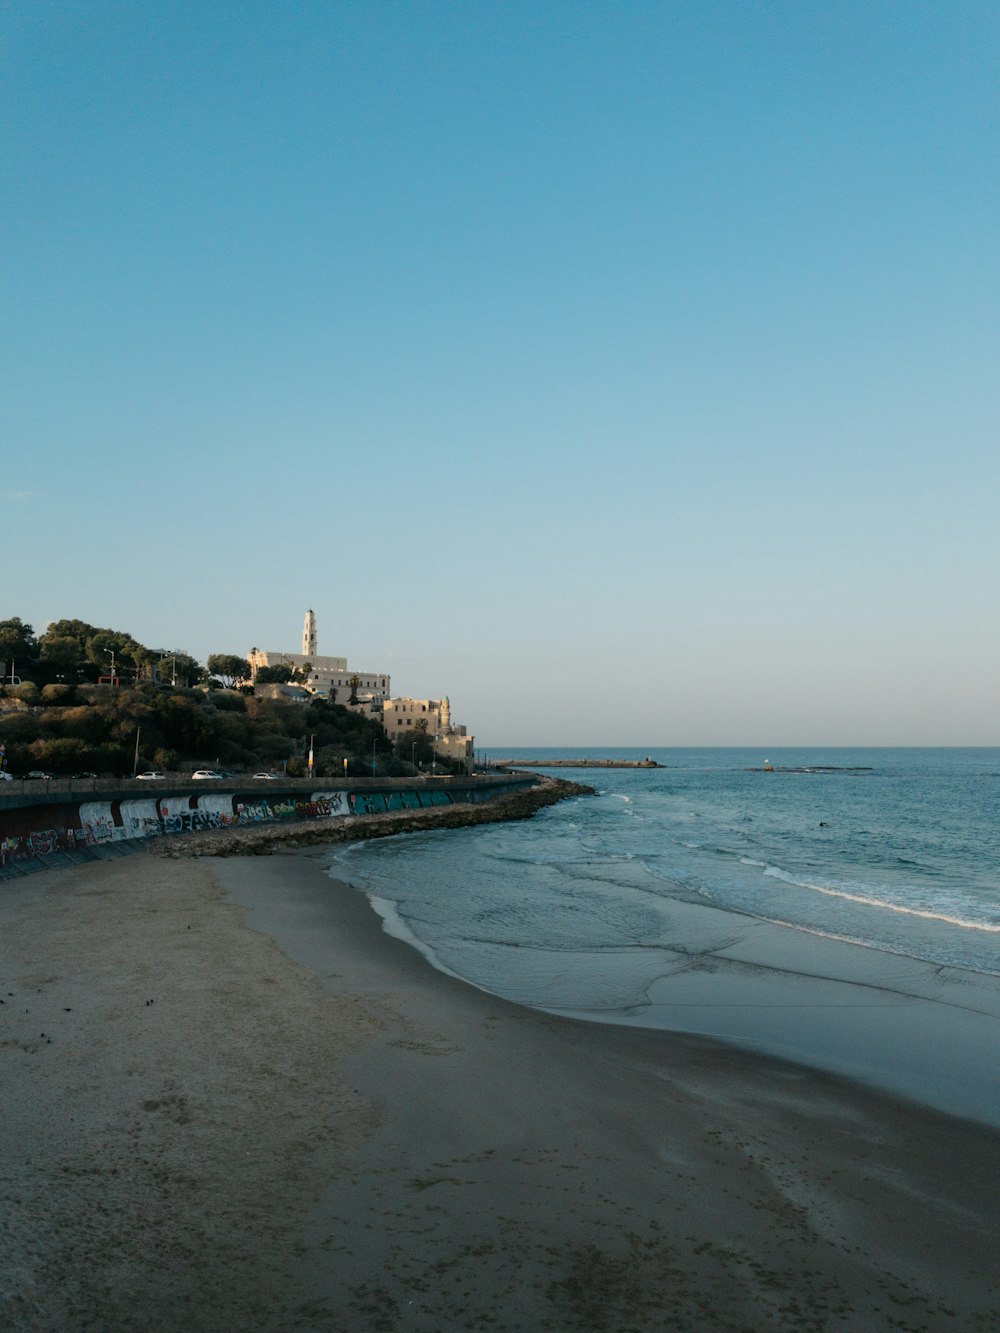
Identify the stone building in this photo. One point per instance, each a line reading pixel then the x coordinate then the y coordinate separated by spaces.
pixel 433 716
pixel 329 677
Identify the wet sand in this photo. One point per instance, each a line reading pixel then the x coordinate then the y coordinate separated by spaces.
pixel 232 1102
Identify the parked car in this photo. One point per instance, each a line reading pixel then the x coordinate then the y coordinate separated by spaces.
pixel 36 773
pixel 5 776
pixel 84 775
pixel 206 775
pixel 150 777
pixel 265 777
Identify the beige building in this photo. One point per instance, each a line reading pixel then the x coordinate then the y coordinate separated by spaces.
pixel 330 678
pixel 433 716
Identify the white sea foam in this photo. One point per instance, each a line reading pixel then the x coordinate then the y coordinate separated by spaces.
pixel 884 904
pixel 909 868
pixel 394 924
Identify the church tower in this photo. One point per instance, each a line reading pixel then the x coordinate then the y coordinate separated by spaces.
pixel 309 636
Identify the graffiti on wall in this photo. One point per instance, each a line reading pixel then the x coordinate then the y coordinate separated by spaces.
pixel 38 831
pixel 43 842
pixel 197 814
pixel 9 848
pixel 141 818
pixel 336 800
pixel 98 825
pixel 380 802
pixel 263 811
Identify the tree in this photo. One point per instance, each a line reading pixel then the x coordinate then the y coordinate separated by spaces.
pixel 62 656
pixel 72 648
pixel 18 647
pixel 110 647
pixel 273 675
pixel 175 668
pixel 189 670
pixel 228 668
pixel 415 746
pixel 17 639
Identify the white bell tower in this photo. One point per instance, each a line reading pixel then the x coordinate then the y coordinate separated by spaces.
pixel 309 636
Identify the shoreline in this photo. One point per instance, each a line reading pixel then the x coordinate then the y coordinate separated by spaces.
pixel 921 1030
pixel 254 1108
pixel 896 1024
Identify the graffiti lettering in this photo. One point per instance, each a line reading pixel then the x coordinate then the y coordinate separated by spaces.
pixel 44 842
pixel 253 814
pixel 379 802
pixel 336 802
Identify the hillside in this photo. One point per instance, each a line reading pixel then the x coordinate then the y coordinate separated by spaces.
pixel 67 729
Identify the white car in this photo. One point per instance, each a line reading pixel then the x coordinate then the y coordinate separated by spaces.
pixel 267 777
pixel 206 775
pixel 5 777
pixel 150 777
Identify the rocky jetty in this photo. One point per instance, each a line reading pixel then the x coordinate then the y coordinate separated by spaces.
pixel 263 839
pixel 577 763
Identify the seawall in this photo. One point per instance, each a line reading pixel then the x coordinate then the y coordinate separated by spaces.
pixel 517 801
pixel 35 827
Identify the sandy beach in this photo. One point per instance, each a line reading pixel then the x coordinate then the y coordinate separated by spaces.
pixel 232 1102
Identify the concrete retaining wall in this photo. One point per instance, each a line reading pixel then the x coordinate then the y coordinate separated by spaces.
pixel 64 823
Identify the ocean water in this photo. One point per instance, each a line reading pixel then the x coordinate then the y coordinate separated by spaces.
pixel 578 910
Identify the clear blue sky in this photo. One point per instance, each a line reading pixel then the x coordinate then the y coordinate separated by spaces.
pixel 629 372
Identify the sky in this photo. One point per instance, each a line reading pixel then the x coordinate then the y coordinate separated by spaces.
pixel 626 371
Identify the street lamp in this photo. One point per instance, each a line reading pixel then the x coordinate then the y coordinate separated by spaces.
pixel 112 652
pixel 374 743
pixel 413 754
pixel 311 739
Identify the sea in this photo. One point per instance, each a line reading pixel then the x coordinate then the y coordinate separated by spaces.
pixel 576 910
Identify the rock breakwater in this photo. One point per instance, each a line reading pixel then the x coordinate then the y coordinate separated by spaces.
pixel 577 763
pixel 263 840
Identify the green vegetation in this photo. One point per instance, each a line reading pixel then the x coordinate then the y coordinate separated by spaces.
pixel 94 728
pixel 61 720
pixel 73 652
pixel 229 668
pixel 283 675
